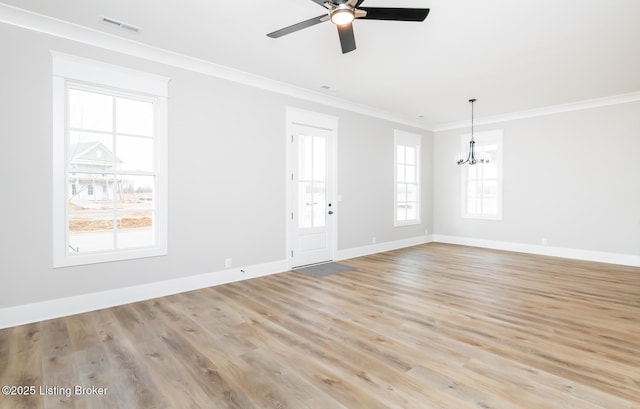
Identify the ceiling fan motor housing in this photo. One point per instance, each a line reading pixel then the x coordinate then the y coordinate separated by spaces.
pixel 342 14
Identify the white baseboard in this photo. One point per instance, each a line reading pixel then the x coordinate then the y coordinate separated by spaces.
pixel 61 307
pixel 381 247
pixel 41 311
pixel 578 254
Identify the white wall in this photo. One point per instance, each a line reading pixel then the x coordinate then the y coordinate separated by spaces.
pixel 571 177
pixel 226 176
pixel 366 186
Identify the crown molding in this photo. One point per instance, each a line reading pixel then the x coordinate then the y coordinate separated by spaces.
pixel 550 110
pixel 63 29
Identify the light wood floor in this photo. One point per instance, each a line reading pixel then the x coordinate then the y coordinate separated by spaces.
pixel 433 326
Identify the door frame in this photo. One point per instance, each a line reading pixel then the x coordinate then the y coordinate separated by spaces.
pixel 297 116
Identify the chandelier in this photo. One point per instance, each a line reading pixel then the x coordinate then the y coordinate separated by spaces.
pixel 472 158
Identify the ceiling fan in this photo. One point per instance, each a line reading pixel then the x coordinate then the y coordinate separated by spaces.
pixel 343 12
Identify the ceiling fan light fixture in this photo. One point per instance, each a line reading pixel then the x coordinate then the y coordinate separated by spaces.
pixel 343 14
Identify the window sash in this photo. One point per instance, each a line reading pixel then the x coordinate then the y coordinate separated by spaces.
pixel 75 73
pixel 482 183
pixel 110 174
pixel 407 178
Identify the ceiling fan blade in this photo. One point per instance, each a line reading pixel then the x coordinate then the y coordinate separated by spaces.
pixel 347 38
pixel 334 2
pixel 298 26
pixel 359 3
pixel 393 13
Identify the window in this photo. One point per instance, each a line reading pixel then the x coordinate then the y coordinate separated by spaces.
pixel 109 162
pixel 482 182
pixel 407 178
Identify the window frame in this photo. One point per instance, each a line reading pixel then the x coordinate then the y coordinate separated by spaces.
pixel 482 139
pixel 69 70
pixel 407 139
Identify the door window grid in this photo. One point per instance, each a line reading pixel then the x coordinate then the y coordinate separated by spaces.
pixel 311 181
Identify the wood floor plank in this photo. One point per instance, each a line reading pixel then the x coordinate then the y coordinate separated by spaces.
pixel 431 326
pixel 58 365
pixel 23 369
pixel 5 339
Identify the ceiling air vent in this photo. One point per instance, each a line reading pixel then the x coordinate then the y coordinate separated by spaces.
pixel 120 24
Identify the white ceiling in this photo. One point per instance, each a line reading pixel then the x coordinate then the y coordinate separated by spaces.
pixel 510 55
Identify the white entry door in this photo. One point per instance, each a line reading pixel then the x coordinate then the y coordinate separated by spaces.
pixel 312 208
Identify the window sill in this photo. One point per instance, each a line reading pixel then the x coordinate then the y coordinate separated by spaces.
pixel 95 258
pixel 406 223
pixel 480 217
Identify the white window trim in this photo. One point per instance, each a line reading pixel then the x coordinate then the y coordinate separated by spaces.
pixel 493 137
pixel 77 69
pixel 415 140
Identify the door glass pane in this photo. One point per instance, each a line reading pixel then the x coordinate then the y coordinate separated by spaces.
pixel 319 204
pixel 305 155
pixel 90 232
pixel 312 175
pixel 319 158
pixel 90 110
pixel 134 117
pixel 305 204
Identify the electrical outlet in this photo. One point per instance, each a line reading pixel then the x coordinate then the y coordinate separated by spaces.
pixel 227 262
pixel 544 241
pixel 374 240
